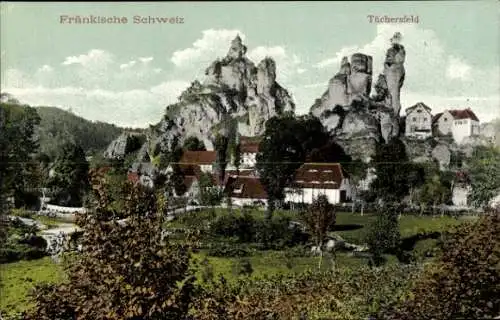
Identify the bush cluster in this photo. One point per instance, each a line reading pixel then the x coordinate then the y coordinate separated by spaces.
pixel 277 233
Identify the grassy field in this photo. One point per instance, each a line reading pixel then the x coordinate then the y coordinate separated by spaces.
pixel 353 227
pixel 269 263
pixel 19 277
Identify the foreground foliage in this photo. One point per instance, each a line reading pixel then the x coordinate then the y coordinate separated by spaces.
pixel 465 283
pixel 341 294
pixel 126 270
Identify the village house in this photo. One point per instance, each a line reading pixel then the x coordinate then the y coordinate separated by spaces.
pixel 418 121
pixel 204 159
pixel 313 179
pixel 245 190
pixel 459 123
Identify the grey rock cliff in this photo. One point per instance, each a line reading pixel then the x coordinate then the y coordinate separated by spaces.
pixel 357 119
pixel 234 91
pixel 125 143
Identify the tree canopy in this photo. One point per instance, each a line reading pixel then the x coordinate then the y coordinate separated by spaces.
pixel 484 175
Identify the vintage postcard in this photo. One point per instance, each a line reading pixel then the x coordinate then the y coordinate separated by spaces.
pixel 250 160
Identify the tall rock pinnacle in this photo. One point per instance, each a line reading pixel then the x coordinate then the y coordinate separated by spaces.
pixel 237 49
pixel 394 71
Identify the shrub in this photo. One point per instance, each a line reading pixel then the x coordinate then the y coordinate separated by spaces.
pixel 222 249
pixel 463 284
pixel 242 267
pixel 383 235
pixel 238 226
pixel 125 270
pixel 276 233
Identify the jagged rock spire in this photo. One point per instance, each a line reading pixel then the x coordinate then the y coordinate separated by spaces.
pixel 237 49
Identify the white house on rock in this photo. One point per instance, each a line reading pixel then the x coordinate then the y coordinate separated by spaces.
pixel 418 121
pixel 313 179
pixel 459 123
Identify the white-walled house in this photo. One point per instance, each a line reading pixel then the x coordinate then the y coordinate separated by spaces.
pixel 418 121
pixel 313 179
pixel 459 123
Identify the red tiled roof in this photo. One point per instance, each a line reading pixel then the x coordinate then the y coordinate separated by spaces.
pixel 319 175
pixel 250 187
pixel 198 157
pixel 463 114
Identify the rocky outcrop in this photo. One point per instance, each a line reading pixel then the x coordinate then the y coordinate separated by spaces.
pixel 234 92
pixel 123 145
pixel 357 119
pixel 394 72
pixel 353 81
pixel 442 154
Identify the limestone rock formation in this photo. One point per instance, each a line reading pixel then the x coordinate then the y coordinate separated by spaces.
pixel 394 72
pixel 442 154
pixel 353 81
pixel 234 92
pixel 357 119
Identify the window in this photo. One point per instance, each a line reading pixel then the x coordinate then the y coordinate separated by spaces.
pixel 414 119
pixel 425 119
pixel 312 170
pixel 445 119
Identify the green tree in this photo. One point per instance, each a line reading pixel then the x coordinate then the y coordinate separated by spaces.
pixel 210 195
pixel 319 219
pixel 392 168
pixel 194 144
pixel 236 155
pixel 433 191
pixel 463 283
pixel 221 149
pixel 484 175
pixel 127 270
pixel 383 235
pixel 280 154
pixel 18 146
pixel 70 179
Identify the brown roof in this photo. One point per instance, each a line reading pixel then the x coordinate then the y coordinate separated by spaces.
pixel 198 157
pixel 319 175
pixel 458 115
pixel 419 104
pixel 250 144
pixel 245 187
pixel 463 114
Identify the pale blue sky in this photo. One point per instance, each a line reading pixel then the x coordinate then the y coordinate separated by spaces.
pixel 127 74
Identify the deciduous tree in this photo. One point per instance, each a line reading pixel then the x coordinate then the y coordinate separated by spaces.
pixel 127 270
